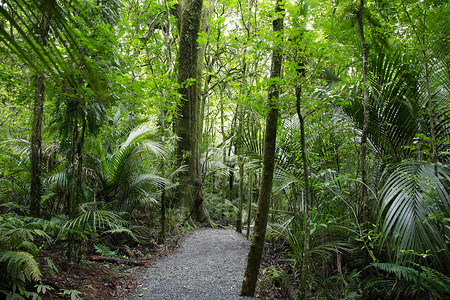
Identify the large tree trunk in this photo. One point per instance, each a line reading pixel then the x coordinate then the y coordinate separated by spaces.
pixel 188 111
pixel 36 130
pixel 365 129
pixel 257 245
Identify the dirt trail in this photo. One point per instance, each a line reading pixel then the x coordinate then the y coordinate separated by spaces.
pixel 209 264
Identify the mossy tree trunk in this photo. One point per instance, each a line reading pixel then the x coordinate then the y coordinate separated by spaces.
pixel 188 111
pixel 262 212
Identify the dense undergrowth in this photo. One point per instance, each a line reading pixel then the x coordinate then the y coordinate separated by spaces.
pixel 107 180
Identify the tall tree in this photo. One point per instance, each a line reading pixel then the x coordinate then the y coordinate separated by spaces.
pixel 365 128
pixel 36 128
pixel 188 118
pixel 265 193
pixel 301 72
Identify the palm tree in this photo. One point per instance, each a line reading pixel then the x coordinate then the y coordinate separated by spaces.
pixel 413 200
pixel 56 52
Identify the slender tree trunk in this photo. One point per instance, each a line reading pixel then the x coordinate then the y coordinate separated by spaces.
pixel 188 114
pixel 203 54
pixel 308 202
pixel 36 130
pixel 434 152
pixel 224 153
pixel 241 194
pixel 163 174
pixel 80 146
pixel 365 129
pixel 257 245
pixel 72 181
pixel 250 197
pixel 239 148
pixel 431 112
pixel 239 152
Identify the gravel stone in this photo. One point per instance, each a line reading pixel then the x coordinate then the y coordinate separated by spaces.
pixel 209 264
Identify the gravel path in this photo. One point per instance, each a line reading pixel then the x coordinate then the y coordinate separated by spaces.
pixel 209 264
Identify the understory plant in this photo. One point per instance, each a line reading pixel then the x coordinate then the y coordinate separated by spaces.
pixel 20 240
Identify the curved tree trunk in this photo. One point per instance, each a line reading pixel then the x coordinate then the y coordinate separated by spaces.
pixel 257 245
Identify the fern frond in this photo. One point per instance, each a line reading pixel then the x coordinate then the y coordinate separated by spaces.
pixel 406 273
pixel 21 265
pixel 53 268
pixel 122 230
pixel 104 250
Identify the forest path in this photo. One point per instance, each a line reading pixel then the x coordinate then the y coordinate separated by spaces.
pixel 209 264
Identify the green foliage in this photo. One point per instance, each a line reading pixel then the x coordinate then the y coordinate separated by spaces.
pixel 414 205
pixel 104 250
pixel 412 281
pixel 74 294
pixel 109 70
pixel 20 238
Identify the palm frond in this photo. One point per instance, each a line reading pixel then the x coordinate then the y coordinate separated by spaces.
pixel 412 199
pixel 140 133
pixel 394 105
pixel 51 59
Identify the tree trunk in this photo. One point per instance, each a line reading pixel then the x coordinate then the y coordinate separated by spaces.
pixel 239 152
pixel 163 186
pixel 431 112
pixel 365 129
pixel 224 152
pixel 308 202
pixel 188 110
pixel 257 245
pixel 36 130
pixel 249 202
pixel 241 193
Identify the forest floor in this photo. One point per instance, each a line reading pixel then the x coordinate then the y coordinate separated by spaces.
pixel 209 264
pixel 203 264
pixel 100 280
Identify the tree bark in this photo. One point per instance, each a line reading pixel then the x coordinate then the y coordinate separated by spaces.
pixel 365 129
pixel 249 202
pixel 36 130
pixel 308 203
pixel 257 245
pixel 188 110
pixel 163 185
pixel 301 71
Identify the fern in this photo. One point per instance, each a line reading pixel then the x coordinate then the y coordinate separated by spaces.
pixel 21 265
pixel 51 265
pixel 437 281
pixel 104 250
pixel 434 282
pixel 74 294
pixel 18 252
pixel 406 273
